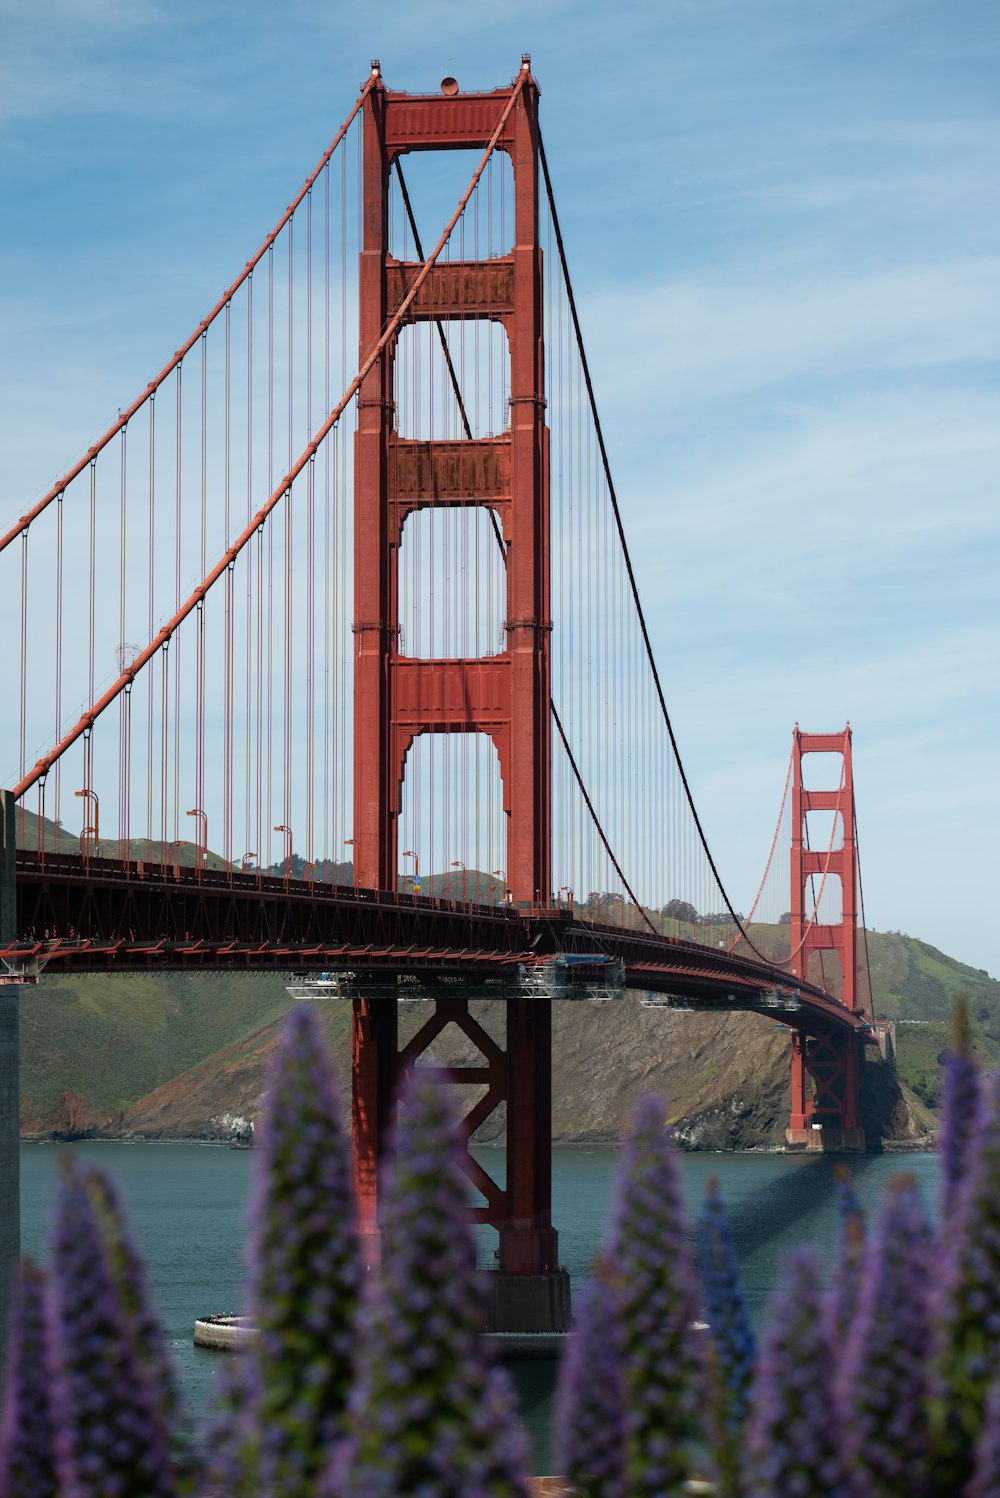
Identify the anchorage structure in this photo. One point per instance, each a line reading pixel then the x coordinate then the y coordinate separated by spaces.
pixel 830 1117
pixel 505 696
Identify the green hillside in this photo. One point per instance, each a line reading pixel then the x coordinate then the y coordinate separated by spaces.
pixel 917 985
pixel 112 1040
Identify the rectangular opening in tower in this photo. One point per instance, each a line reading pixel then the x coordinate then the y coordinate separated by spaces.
pixel 452 584
pixel 824 830
pixel 822 771
pixel 452 379
pixel 435 181
pixel 827 896
pixel 452 825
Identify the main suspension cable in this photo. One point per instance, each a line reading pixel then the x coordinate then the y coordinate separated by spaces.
pixel 612 495
pixel 597 823
pixel 864 919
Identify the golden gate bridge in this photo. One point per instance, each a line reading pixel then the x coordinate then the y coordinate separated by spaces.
pixel 332 649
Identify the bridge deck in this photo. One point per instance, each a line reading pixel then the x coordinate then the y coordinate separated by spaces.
pixel 102 915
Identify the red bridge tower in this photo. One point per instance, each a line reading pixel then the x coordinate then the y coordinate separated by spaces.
pixel 505 696
pixel 826 1114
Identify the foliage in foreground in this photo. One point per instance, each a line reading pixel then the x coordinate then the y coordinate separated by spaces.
pixel 377 1384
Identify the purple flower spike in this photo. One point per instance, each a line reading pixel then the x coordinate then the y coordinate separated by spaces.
pixel 966 1316
pixel 144 1327
pixel 733 1347
pixel 883 1378
pixel 112 1433
pixel 794 1435
pixel 960 1103
pixel 589 1432
pixel 284 1412
pixel 430 1416
pixel 986 1478
pixel 27 1464
pixel 649 1260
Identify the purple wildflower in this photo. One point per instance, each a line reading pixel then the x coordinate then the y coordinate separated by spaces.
pixel 27 1465
pixel 966 1315
pixel 794 1435
pixel 589 1434
pixel 430 1415
pixel 960 1103
pixel 111 1422
pixel 145 1329
pixel 986 1477
pixel 883 1377
pixel 286 1407
pixel 654 1282
pixel 732 1347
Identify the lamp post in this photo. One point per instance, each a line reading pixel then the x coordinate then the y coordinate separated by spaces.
pixel 246 863
pixel 415 880
pixel 457 863
pixel 281 827
pixel 94 831
pixel 565 889
pixel 501 874
pixel 200 848
pixel 177 843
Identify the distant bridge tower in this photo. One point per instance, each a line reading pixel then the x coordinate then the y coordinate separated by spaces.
pixel 505 696
pixel 825 1067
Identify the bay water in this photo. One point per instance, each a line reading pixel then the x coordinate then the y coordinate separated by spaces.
pixel 186 1203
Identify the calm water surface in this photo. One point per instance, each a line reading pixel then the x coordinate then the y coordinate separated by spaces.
pixel 186 1203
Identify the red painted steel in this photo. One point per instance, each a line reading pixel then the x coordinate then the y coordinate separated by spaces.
pixel 831 1062
pixel 77 914
pixel 507 696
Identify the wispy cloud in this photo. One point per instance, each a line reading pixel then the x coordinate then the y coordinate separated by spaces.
pixel 692 337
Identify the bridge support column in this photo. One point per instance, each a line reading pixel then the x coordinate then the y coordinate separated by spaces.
pixel 825 1067
pixel 529 1292
pixel 374 1037
pixel 505 696
pixel 10 1075
pixel 528 1241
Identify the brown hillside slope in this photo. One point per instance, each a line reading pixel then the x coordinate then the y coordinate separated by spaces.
pixel 725 1076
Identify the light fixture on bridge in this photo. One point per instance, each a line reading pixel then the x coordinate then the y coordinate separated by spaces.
pixel 201 848
pixel 95 831
pixel 415 876
pixel 281 827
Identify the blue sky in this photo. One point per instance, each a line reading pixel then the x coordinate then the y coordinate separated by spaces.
pixel 783 221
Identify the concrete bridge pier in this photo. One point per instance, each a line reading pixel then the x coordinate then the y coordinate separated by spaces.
pixel 10 1075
